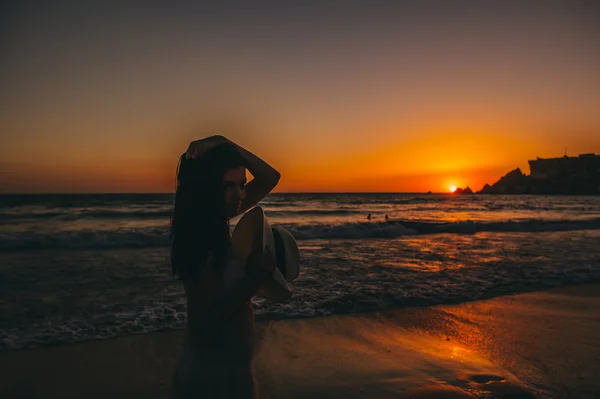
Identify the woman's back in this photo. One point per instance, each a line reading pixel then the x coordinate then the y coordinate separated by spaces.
pixel 209 329
pixel 218 347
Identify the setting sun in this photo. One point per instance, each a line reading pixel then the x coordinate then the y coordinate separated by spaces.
pixel 452 189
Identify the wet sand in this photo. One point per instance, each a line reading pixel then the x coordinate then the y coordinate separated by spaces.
pixel 541 344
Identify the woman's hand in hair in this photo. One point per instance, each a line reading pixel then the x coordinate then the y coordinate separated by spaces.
pixel 261 264
pixel 199 147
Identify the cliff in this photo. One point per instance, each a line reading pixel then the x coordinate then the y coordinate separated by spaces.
pixel 567 175
pixel 514 182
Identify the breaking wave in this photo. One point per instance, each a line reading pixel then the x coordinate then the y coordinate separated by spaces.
pixel 146 237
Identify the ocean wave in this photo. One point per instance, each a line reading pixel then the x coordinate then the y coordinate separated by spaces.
pixel 391 200
pixel 86 214
pixel 316 212
pixel 148 237
pixel 86 239
pixel 81 200
pixel 337 277
pixel 314 296
pixel 12 217
pixel 395 229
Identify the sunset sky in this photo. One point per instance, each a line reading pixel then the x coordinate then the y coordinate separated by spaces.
pixel 352 96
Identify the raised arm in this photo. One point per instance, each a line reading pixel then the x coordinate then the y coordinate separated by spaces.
pixel 265 179
pixel 265 176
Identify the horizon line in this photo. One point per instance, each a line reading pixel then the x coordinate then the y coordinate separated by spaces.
pixel 276 193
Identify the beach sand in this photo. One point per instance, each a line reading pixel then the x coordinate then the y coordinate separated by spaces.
pixel 540 344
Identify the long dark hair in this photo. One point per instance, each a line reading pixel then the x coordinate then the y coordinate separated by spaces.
pixel 199 222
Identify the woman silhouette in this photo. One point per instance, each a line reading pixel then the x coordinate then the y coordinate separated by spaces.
pixel 216 360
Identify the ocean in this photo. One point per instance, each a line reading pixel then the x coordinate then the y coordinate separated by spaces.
pixel 85 267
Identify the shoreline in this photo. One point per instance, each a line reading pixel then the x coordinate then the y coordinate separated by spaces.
pixel 261 318
pixel 544 342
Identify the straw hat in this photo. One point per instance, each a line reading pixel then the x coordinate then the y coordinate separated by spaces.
pixel 253 232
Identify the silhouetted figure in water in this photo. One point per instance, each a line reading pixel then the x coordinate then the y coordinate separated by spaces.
pixel 386 217
pixel 211 189
pixel 369 217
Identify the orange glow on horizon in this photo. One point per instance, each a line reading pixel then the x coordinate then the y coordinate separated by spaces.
pixel 418 162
